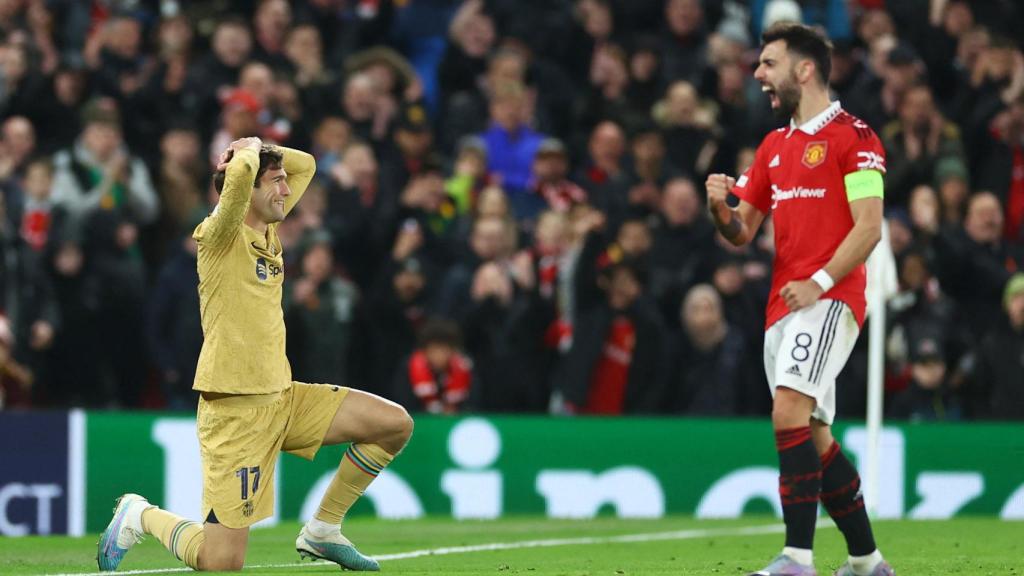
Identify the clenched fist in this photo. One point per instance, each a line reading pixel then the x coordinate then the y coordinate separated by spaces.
pixel 719 186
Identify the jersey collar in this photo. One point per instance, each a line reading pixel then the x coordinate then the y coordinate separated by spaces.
pixel 815 124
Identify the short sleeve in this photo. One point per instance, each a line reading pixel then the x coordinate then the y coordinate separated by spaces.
pixel 865 151
pixel 753 186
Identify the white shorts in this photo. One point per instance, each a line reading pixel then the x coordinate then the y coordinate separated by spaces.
pixel 806 350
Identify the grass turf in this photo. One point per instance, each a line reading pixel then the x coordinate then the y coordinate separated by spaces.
pixel 969 546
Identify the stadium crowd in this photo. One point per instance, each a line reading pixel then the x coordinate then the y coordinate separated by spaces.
pixel 508 211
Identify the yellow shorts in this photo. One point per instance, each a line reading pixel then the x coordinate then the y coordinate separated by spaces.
pixel 241 436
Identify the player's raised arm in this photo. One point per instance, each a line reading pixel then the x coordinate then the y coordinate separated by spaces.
pixel 240 164
pixel 299 167
pixel 738 225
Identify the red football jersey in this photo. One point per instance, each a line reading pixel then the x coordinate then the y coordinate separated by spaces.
pixel 798 178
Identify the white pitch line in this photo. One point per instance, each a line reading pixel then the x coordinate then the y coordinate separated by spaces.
pixel 581 541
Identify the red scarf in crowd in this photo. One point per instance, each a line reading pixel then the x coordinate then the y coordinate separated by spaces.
pixel 611 373
pixel 1015 198
pixel 443 393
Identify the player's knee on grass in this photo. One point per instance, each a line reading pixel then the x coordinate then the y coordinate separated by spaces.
pixel 212 559
pixel 791 409
pixel 224 548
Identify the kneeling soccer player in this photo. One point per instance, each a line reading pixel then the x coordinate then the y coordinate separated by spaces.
pixel 249 408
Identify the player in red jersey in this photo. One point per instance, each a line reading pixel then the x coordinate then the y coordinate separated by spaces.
pixel 820 178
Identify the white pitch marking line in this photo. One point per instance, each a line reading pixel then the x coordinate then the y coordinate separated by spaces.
pixel 581 541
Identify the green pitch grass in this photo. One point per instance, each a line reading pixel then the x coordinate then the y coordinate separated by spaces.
pixel 539 547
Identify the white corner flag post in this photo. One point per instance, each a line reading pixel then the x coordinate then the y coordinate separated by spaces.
pixel 881 284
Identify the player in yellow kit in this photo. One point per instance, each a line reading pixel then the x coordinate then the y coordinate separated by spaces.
pixel 249 408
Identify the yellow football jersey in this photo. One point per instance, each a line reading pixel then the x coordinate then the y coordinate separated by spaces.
pixel 240 276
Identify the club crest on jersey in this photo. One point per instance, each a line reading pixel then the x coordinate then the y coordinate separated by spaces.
pixel 261 268
pixel 814 153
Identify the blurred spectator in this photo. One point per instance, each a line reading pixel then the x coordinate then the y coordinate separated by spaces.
pixel 504 338
pixel 489 242
pixel 120 69
pixel 320 315
pixel 916 143
pixel 951 178
pixel 684 43
pixel 709 369
pixel 22 87
pixel 469 173
pixel 617 362
pixel 471 36
pixel 649 170
pixel 832 15
pixel 603 176
pixel 394 82
pixel 742 304
pixel 311 74
pixel 644 72
pixel 605 96
pixel 998 375
pixel 330 138
pixel 231 46
pixel 396 307
pixel 925 215
pixel 688 126
pixel 1002 167
pixel 683 247
pixel 271 22
pixel 413 148
pixel 437 378
pixel 182 180
pixel 37 212
pixel 920 307
pixel 355 208
pixel 928 396
pixel 632 242
pixel 975 263
pixel 62 122
pixel 593 26
pixel 240 116
pixel 17 144
pixel 549 185
pixel 511 142
pixel 173 329
pixel 895 68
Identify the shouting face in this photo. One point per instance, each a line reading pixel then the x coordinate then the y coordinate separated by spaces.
pixel 777 74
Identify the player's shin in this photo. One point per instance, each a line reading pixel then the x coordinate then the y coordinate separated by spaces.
pixel 799 487
pixel 841 496
pixel 181 537
pixel 359 467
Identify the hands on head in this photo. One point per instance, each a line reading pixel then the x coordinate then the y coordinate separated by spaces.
pixel 252 142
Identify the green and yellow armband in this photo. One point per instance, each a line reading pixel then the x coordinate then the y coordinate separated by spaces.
pixel 864 184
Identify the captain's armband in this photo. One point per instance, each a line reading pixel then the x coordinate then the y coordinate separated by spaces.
pixel 864 184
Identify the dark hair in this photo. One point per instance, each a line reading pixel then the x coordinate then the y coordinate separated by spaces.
pixel 270 158
pixel 232 20
pixel 805 41
pixel 636 267
pixel 440 331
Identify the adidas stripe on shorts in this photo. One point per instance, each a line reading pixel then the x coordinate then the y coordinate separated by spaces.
pixel 806 350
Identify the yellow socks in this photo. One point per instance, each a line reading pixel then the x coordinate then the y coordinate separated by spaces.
pixel 360 465
pixel 182 537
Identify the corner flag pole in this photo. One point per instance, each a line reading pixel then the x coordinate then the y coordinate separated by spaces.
pixel 881 269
